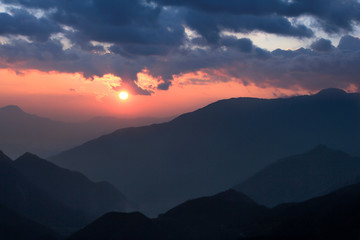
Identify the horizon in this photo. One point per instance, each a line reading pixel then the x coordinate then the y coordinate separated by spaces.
pixel 81 118
pixel 70 61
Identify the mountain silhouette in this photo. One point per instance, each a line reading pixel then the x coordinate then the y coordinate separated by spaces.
pixel 20 195
pixel 4 159
pixel 57 198
pixel 303 176
pixel 125 226
pixel 334 216
pixel 233 216
pixel 216 217
pixel 221 216
pixel 23 132
pixel 216 147
pixel 71 188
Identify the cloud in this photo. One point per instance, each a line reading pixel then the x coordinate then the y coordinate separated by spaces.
pixel 210 26
pixel 125 37
pixel 20 22
pixel 243 44
pixel 332 15
pixel 322 45
pixel 349 43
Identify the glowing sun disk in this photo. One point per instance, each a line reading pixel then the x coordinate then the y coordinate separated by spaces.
pixel 123 95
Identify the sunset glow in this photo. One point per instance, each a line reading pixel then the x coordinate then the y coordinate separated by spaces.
pixel 81 69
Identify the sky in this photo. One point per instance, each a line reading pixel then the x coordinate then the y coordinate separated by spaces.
pixel 69 59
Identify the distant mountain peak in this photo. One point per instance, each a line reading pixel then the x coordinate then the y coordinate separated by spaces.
pixel 29 155
pixel 4 159
pixel 12 109
pixel 331 92
pixel 322 148
pixel 233 195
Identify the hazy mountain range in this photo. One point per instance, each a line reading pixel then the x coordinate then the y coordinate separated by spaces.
pixel 216 147
pixel 23 132
pixel 168 168
pixel 303 176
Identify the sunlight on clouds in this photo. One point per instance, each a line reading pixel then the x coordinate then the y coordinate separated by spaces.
pixel 65 42
pixel 191 34
pixel 110 80
pixel 269 41
pixel 147 82
pixel 2 8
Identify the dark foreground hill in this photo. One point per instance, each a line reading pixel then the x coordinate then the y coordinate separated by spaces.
pixel 124 226
pixel 233 216
pixel 16 227
pixel 333 216
pixel 216 147
pixel 57 198
pixel 303 176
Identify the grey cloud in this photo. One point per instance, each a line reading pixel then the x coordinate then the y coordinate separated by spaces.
pixel 332 15
pixel 243 44
pixel 143 36
pixel 349 43
pixel 302 67
pixel 210 26
pixel 164 85
pixel 20 22
pixel 322 45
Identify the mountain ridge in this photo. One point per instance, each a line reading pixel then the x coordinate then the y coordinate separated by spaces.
pixel 302 176
pixel 215 147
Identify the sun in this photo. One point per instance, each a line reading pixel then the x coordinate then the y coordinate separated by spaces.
pixel 123 95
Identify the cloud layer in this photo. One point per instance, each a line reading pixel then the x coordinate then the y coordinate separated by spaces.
pixel 171 37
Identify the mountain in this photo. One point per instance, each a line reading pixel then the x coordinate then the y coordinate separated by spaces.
pixel 216 147
pixel 221 216
pixel 16 227
pixel 233 216
pixel 22 132
pixel 334 216
pixel 124 226
pixel 20 195
pixel 216 217
pixel 71 188
pixel 303 176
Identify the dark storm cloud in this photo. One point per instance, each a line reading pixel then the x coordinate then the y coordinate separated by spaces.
pixel 210 26
pixel 322 45
pixel 333 15
pixel 349 43
pixel 243 44
pixel 135 35
pixel 20 22
pixel 280 68
pixel 113 21
pixel 164 86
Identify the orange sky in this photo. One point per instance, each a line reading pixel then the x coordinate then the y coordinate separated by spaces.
pixel 70 97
